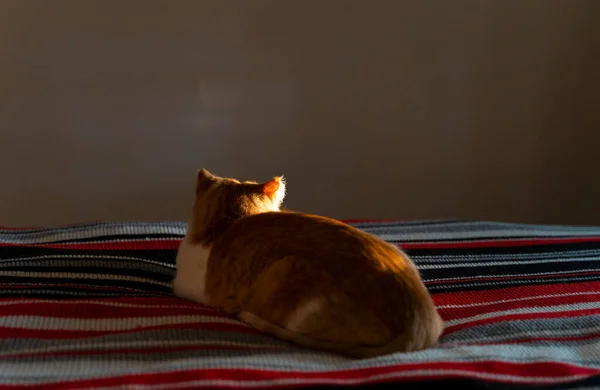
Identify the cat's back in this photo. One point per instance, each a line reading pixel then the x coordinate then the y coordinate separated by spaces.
pixel 301 257
pixel 292 220
pixel 315 238
pixel 293 227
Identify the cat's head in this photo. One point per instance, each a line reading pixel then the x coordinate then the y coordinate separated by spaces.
pixel 220 201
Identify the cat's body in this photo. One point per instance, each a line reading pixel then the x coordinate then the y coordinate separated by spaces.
pixel 309 280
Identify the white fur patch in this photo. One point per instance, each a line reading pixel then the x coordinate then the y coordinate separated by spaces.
pixel 303 314
pixel 190 277
pixel 279 194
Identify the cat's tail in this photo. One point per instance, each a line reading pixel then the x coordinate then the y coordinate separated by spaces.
pixel 422 334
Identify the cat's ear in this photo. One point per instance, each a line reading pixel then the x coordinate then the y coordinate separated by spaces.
pixel 274 189
pixel 204 179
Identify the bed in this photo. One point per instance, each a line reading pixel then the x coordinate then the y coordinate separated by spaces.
pixel 89 306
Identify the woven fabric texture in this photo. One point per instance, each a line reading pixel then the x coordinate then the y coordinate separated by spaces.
pixel 90 306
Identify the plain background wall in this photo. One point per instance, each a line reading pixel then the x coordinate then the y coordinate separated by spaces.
pixel 484 109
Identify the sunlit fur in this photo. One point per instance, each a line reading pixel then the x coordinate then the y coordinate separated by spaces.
pixel 310 280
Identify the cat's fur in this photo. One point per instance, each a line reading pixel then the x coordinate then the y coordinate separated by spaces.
pixel 306 279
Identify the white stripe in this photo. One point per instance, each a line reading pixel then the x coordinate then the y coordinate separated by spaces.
pixel 447 225
pixel 131 226
pixel 71 275
pixel 509 256
pixel 527 310
pixel 517 300
pixel 136 344
pixel 497 263
pixel 587 355
pixel 527 335
pixel 512 275
pixel 449 237
pixel 81 233
pixel 107 324
pixel 86 257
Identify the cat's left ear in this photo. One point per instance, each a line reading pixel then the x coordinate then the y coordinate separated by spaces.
pixel 274 189
pixel 204 179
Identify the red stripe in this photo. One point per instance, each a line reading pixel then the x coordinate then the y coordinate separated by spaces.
pixel 174 244
pixel 90 310
pixel 522 316
pixel 8 333
pixel 135 300
pixel 559 371
pixel 490 295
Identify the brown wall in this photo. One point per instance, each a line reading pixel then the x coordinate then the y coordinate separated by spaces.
pixel 372 109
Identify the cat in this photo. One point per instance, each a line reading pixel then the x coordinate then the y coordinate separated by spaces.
pixel 309 280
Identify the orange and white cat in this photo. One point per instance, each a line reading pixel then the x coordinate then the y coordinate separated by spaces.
pixel 306 279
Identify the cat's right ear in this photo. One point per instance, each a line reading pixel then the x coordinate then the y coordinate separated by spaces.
pixel 204 179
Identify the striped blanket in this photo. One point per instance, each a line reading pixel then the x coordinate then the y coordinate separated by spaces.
pixel 89 306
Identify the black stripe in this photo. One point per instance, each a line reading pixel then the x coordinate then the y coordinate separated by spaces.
pixel 67 291
pixel 61 294
pixel 166 256
pixel 449 222
pixel 125 284
pixel 491 238
pixel 458 271
pixel 504 250
pixel 473 238
pixel 100 264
